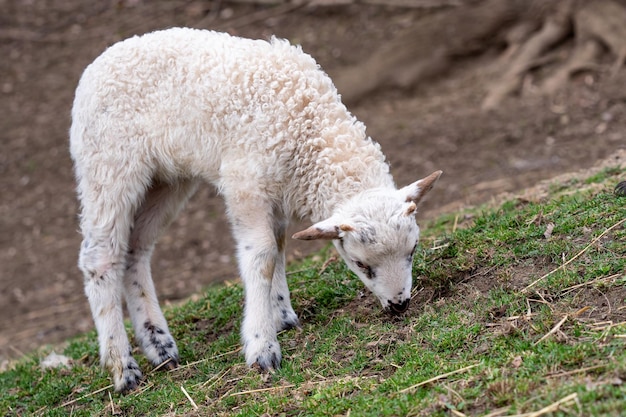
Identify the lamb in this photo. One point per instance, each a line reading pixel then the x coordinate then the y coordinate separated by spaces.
pixel 154 116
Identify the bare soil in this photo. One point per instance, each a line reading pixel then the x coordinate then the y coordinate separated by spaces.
pixel 44 46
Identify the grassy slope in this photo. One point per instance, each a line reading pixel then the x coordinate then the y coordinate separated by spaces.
pixel 509 349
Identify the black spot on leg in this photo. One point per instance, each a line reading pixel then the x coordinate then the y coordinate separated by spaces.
pixel 132 376
pixel 280 297
pixel 256 335
pixel 154 334
pixel 152 329
pixel 248 247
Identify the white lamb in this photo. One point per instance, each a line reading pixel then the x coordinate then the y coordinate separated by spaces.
pixel 156 115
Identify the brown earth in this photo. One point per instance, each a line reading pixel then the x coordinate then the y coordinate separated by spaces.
pixel 44 46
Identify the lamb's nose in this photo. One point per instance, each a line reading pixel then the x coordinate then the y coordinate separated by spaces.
pixel 399 308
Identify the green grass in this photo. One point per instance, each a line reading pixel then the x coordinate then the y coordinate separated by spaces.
pixel 477 339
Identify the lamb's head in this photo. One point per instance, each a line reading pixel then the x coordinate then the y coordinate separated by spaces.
pixel 376 234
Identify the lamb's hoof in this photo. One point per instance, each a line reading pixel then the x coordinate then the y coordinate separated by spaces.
pixel 266 357
pixel 267 364
pixel 291 324
pixel 130 378
pixel 158 346
pixel 287 319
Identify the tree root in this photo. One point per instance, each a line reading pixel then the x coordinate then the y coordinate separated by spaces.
pixel 604 21
pixel 582 58
pixel 429 48
pixel 531 31
pixel 554 30
pixel 596 24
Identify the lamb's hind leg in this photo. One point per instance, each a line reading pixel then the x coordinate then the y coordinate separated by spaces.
pixel 162 203
pixel 105 223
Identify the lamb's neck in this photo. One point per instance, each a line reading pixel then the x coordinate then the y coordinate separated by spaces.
pixel 335 160
pixel 331 185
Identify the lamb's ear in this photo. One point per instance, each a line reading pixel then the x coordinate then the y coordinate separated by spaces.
pixel 416 191
pixel 327 229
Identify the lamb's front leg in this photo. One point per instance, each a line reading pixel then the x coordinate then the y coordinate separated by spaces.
pixel 284 316
pixel 257 261
pixel 257 227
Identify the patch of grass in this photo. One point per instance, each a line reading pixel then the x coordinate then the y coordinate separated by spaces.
pixel 519 308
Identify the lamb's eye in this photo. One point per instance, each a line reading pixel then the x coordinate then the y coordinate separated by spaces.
pixel 410 256
pixel 368 270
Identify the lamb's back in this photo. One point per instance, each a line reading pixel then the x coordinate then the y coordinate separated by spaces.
pixel 181 93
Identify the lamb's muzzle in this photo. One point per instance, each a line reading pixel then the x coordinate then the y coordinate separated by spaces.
pixel 400 308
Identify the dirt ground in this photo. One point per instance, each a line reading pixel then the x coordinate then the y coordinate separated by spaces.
pixel 45 45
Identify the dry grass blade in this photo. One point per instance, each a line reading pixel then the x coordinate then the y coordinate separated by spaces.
pixel 532 284
pixel 438 377
pixel 162 365
pixel 214 379
pixel 548 409
pixel 575 371
pixel 193 403
pixel 190 364
pixel 253 391
pixel 552 407
pixel 456 223
pixel 603 326
pixel 553 330
pixel 65 404
pixel 595 281
pixel 112 405
pixel 143 389
pixel 498 412
pixel 455 412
